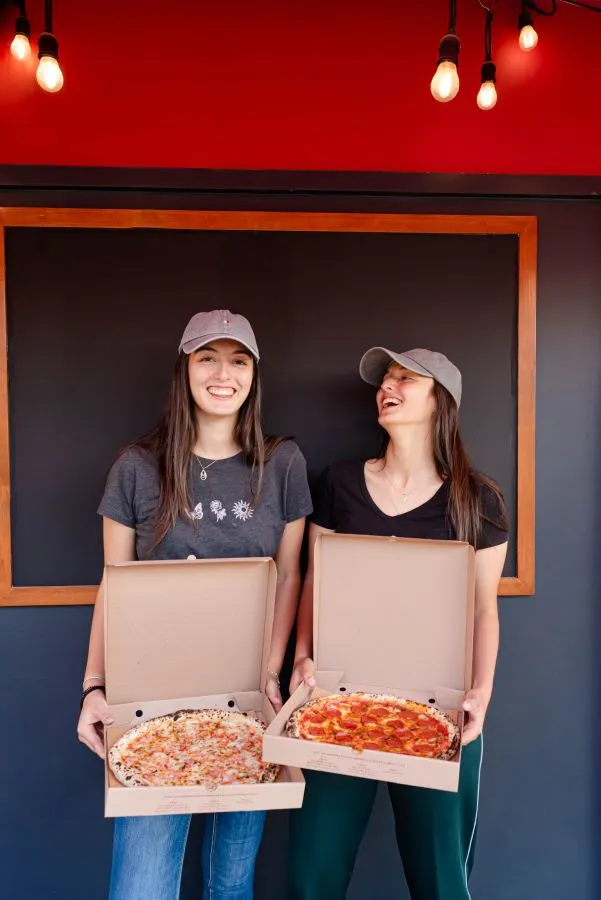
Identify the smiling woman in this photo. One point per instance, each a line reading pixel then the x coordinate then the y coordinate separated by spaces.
pixel 205 482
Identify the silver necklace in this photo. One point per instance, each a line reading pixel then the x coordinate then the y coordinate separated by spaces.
pixel 404 494
pixel 203 469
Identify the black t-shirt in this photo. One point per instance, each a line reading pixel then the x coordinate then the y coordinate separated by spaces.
pixel 342 503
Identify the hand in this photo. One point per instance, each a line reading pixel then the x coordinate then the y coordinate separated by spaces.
pixel 94 715
pixel 304 670
pixel 475 705
pixel 272 690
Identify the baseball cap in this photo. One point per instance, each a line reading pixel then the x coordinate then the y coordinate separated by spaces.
pixel 217 325
pixel 375 362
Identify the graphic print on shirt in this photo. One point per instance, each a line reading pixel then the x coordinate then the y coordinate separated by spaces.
pixel 217 507
pixel 243 510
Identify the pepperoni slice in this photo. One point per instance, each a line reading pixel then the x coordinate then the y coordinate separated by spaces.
pixel 344 736
pixel 399 724
pixel 380 711
pixel 349 725
pixel 395 741
pixel 314 717
pixel 313 731
pixel 424 750
pixel 370 720
pixel 371 745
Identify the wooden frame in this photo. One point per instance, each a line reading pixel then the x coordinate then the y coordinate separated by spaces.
pixel 524 227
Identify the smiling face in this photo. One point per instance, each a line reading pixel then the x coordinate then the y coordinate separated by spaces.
pixel 405 398
pixel 220 376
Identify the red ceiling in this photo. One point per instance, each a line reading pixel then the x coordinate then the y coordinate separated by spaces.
pixel 322 84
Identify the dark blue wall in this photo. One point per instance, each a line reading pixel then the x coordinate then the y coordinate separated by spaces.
pixel 539 829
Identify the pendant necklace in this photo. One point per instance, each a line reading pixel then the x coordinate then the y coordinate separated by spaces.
pixel 203 469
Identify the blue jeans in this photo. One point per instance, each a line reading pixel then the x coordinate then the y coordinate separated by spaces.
pixel 148 855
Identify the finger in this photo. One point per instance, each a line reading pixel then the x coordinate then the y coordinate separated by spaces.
pixel 470 734
pixel 92 742
pixel 310 680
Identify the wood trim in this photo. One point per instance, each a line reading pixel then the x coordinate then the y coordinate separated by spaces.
pixel 525 227
pixel 210 220
pixel 526 403
pixel 63 595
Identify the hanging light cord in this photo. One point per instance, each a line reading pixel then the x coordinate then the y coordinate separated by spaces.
pixel 582 5
pixel 488 37
pixel 452 16
pixel 579 4
pixel 48 16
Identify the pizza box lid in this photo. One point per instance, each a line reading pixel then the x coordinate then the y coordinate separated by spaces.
pixel 394 611
pixel 185 628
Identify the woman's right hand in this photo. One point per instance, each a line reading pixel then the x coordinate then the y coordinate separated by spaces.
pixel 94 716
pixel 304 670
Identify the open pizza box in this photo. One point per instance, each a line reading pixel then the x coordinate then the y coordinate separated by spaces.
pixel 190 634
pixel 391 616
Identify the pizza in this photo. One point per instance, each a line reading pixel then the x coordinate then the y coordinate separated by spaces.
pixel 376 722
pixel 192 747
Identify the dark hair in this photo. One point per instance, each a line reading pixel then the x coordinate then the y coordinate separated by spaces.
pixel 171 443
pixel 466 509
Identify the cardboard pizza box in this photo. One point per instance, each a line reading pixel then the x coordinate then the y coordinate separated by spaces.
pixel 392 616
pixel 189 634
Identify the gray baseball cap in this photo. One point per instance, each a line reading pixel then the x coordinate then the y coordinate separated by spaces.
pixel 374 363
pixel 217 325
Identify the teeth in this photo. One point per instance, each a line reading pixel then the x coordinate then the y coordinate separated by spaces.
pixel 221 392
pixel 390 401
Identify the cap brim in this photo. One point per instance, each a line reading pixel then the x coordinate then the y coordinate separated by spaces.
pixel 190 346
pixel 375 362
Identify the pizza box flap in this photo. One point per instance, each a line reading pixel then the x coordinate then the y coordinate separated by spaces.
pixel 183 628
pixel 394 610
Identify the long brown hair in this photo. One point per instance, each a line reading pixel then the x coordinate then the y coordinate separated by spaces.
pixel 465 510
pixel 171 443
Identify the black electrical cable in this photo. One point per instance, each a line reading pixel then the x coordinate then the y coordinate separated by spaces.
pixel 580 5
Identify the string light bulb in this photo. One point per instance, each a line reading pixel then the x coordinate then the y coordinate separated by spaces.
pixel 48 74
pixel 487 95
pixel 444 86
pixel 20 47
pixel 528 34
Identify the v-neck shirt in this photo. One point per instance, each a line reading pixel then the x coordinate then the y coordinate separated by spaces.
pixel 342 503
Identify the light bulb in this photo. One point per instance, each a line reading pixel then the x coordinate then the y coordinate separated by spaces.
pixel 445 84
pixel 528 38
pixel 20 47
pixel 49 75
pixel 487 95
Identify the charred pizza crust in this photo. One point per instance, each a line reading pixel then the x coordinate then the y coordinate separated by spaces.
pixel 225 748
pixel 296 725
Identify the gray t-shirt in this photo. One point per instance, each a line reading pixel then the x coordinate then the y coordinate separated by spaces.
pixel 223 524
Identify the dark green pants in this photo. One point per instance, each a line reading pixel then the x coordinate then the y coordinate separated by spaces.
pixel 435 832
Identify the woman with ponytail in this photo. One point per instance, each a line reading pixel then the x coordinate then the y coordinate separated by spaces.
pixel 422 485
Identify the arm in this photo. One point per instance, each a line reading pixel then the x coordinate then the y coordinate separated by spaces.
pixel 489 566
pixel 119 546
pixel 286 600
pixel 303 661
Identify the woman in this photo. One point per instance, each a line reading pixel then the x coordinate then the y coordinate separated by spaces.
pixel 421 486
pixel 204 483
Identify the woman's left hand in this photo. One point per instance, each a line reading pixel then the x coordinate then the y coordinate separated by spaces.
pixel 274 695
pixel 475 705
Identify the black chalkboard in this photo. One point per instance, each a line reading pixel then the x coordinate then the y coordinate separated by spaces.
pixel 95 317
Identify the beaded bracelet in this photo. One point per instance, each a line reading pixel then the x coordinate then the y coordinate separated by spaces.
pixel 94 687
